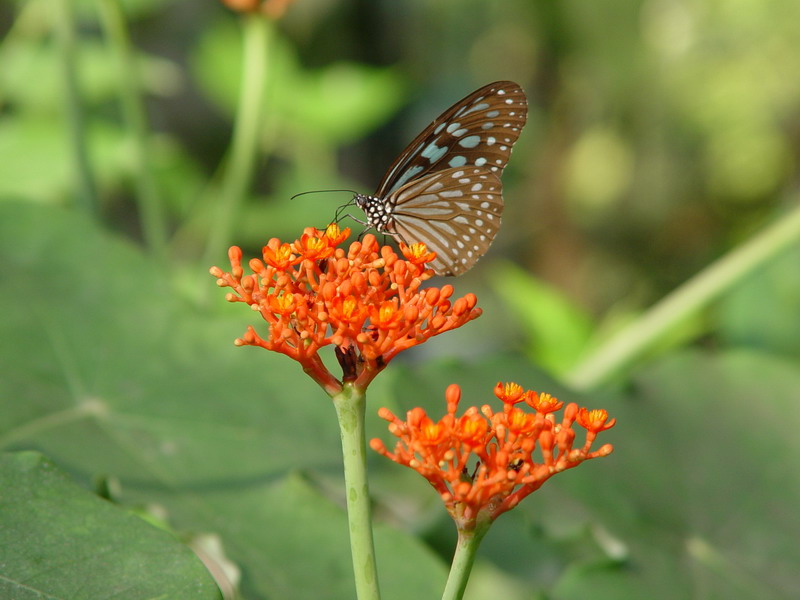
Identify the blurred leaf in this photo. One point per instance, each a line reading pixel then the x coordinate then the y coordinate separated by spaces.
pixel 35 160
pixel 556 331
pixel 110 374
pixel 31 77
pixel 333 105
pixel 58 540
pixel 762 313
pixel 133 9
pixel 692 497
pixel 600 170
pixel 736 91
pixel 343 102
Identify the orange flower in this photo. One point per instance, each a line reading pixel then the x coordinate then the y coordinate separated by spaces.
pixel 483 466
pixel 279 255
pixel 417 253
pixel 509 393
pixel 283 305
pixel 364 300
pixel 314 246
pixel 594 420
pixel 542 403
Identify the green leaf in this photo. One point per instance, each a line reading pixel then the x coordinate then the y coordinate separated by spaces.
pixel 556 330
pixel 699 492
pixel 60 541
pixel 32 80
pixel 112 373
pixel 762 313
pixel 333 105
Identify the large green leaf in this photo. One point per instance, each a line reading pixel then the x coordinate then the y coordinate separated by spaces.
pixel 762 312
pixel 59 541
pixel 108 370
pixel 698 499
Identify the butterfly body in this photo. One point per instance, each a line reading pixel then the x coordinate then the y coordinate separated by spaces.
pixel 378 213
pixel 444 189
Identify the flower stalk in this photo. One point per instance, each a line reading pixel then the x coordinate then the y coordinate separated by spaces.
pixel 463 559
pixel 350 404
pixel 64 26
pixel 150 205
pixel 241 159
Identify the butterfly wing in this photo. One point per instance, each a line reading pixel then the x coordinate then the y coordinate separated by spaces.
pixel 455 212
pixel 478 130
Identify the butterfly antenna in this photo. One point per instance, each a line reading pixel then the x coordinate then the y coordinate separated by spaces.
pixel 320 192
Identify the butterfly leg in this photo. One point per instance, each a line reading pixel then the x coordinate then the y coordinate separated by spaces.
pixel 337 217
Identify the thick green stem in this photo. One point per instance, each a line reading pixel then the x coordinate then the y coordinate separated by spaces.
pixel 688 299
pixel 148 198
pixel 241 159
pixel 463 559
pixel 64 26
pixel 350 406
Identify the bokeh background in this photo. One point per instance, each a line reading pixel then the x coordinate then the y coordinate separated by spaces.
pixel 662 135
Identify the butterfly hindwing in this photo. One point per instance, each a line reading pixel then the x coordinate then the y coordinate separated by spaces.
pixel 455 212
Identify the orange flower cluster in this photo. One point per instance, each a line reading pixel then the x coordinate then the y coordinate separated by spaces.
pixel 366 301
pixel 510 453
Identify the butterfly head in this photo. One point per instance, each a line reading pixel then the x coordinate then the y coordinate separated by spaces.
pixel 377 211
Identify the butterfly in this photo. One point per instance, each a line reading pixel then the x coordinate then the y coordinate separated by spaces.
pixel 444 189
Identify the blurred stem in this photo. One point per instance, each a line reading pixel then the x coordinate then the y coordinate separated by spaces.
pixel 243 151
pixel 64 26
pixel 148 199
pixel 691 297
pixel 350 406
pixel 463 559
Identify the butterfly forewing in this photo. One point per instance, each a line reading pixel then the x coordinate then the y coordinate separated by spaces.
pixel 455 212
pixel 444 189
pixel 479 130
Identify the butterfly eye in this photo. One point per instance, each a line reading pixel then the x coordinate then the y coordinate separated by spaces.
pixel 444 189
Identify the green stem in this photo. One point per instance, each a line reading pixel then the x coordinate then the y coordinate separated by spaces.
pixel 247 127
pixel 350 406
pixel 147 196
pixel 64 25
pixel 688 299
pixel 463 559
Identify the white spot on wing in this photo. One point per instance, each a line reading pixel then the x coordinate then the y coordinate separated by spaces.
pixel 470 141
pixel 458 161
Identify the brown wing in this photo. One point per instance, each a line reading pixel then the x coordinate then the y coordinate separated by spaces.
pixel 478 130
pixel 455 212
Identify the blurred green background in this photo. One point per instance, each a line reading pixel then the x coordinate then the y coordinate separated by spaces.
pixel 662 135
